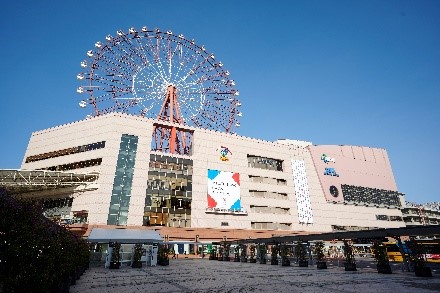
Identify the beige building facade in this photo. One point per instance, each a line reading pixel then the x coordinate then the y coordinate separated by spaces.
pixel 225 181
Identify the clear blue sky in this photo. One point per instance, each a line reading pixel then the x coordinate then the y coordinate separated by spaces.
pixel 330 72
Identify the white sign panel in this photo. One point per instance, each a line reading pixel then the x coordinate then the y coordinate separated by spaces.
pixel 303 204
pixel 224 190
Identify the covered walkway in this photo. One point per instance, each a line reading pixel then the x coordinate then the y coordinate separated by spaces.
pixel 432 231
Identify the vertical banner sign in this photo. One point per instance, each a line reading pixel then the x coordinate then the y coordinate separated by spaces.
pixel 224 190
pixel 303 204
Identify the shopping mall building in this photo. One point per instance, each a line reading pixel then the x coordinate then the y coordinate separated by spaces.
pixel 225 183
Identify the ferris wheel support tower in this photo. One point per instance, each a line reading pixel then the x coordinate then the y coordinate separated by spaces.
pixel 170 112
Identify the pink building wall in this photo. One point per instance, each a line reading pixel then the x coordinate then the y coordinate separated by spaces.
pixel 354 165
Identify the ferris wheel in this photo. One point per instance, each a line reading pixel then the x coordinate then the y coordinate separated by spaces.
pixel 162 76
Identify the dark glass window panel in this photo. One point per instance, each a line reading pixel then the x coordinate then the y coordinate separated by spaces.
pixel 167 180
pixel 122 182
pixel 265 163
pixel 371 196
pixel 64 152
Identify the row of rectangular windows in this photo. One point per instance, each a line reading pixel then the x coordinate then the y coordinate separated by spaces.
pixel 366 195
pixel 427 222
pixel 268 194
pixel 388 218
pixel 56 203
pixel 336 228
pixel 65 152
pixel 269 210
pixel 267 180
pixel 265 163
pixel 75 165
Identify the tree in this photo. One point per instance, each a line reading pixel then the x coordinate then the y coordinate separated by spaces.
pixel 301 254
pixel 417 257
pixel 350 262
pixel 381 257
pixel 36 254
pixel 137 255
pixel 319 255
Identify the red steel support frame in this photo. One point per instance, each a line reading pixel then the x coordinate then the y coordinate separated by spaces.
pixel 170 112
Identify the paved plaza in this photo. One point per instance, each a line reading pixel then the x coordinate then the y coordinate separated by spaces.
pixel 197 275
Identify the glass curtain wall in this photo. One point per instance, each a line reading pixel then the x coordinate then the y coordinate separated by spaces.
pixel 169 192
pixel 120 200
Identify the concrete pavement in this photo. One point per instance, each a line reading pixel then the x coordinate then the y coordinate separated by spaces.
pixel 203 275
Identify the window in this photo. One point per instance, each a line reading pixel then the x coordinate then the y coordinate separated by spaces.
pixel 382 217
pixel 169 192
pixel 269 210
pixel 371 196
pixel 268 194
pixel 265 163
pixel 64 152
pixel 75 165
pixel 267 180
pixel 121 194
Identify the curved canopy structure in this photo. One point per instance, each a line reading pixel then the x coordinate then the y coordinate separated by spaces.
pixel 28 181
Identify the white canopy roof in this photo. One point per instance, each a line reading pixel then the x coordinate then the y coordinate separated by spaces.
pixel 25 181
pixel 124 236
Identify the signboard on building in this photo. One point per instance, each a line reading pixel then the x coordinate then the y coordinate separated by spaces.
pixel 304 207
pixel 224 190
pixel 224 153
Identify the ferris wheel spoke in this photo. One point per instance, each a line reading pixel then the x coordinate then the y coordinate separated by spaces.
pixel 178 73
pixel 195 69
pixel 192 63
pixel 107 81
pixel 144 52
pixel 187 87
pixel 104 97
pixel 117 106
pixel 206 77
pixel 128 50
pixel 118 55
pixel 166 54
pixel 158 39
pixel 189 60
pixel 191 107
pixel 135 49
pixel 116 68
pixel 121 61
pixel 170 56
pixel 181 72
pixel 152 47
pixel 154 71
pixel 125 62
pixel 161 72
pixel 157 63
pixel 153 102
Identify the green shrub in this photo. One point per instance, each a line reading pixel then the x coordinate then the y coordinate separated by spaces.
pixel 35 253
